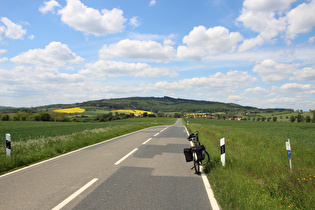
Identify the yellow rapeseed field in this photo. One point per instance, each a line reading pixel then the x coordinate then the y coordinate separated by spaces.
pixel 132 111
pixel 70 110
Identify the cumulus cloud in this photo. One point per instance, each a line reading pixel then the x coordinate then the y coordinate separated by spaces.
pixel 306 74
pixel 255 91
pixel 102 69
pixel 201 42
pixel 49 6
pixel 263 22
pixel 29 86
pixel 91 21
pixel 135 49
pixel 251 43
pixel 271 71
pixel 12 30
pixel 295 87
pixel 55 54
pixel 273 18
pixel 212 83
pixel 301 19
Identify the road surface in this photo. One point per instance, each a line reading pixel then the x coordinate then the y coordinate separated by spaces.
pixel 141 170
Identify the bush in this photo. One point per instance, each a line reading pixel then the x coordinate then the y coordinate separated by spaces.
pixel 5 117
pixel 43 116
pixel 292 118
pixel 177 115
pixel 300 118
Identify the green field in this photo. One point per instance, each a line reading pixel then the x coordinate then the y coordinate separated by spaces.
pixel 36 141
pixel 257 173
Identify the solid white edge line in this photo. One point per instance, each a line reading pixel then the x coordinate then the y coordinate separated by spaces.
pixel 147 141
pixel 74 195
pixel 213 202
pixel 126 156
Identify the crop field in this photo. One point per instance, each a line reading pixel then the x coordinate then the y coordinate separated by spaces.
pixel 70 110
pixel 36 141
pixel 132 111
pixel 257 173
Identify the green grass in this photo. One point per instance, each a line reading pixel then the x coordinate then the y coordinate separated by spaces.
pixel 257 173
pixel 36 141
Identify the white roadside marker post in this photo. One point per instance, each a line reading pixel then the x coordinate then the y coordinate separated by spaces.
pixel 8 144
pixel 222 146
pixel 288 146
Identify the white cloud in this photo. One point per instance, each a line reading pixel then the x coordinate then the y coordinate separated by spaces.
pixel 295 87
pixel 268 5
pixel 152 3
pixel 284 101
pixel 2 51
pixel 263 22
pixel 102 69
pixel 311 39
pixel 3 59
pixel 134 21
pixel 271 71
pixel 255 91
pixel 49 6
pixel 12 30
pixel 2 30
pixel 134 49
pixel 271 18
pixel 55 55
pixel 306 74
pixel 251 43
pixel 149 37
pixel 301 19
pixel 29 86
pixel 31 37
pixel 91 21
pixel 212 83
pixel 201 42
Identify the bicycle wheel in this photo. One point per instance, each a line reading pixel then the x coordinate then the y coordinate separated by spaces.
pixel 196 163
pixel 207 159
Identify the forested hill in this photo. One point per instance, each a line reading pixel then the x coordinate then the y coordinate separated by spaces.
pixel 164 104
pixel 153 104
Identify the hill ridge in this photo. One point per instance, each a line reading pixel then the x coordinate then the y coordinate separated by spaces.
pixel 152 104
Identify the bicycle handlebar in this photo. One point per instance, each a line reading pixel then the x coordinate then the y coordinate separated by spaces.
pixel 193 136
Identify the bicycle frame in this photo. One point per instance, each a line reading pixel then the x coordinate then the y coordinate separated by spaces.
pixel 194 138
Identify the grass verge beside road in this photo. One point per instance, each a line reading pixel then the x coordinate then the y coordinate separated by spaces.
pixel 36 141
pixel 257 173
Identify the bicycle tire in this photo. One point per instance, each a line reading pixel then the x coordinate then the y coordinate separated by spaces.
pixel 208 161
pixel 196 164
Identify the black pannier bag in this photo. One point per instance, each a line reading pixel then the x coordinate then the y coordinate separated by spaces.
pixel 188 154
pixel 201 151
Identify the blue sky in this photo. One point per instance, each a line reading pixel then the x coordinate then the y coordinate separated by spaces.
pixel 257 53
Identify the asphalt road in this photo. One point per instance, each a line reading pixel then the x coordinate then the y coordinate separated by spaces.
pixel 142 170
